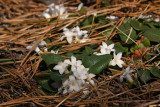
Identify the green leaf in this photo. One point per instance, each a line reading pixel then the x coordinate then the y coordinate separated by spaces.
pixel 146 76
pixel 119 48
pixel 106 3
pixel 88 61
pixel 57 77
pixel 140 72
pixel 52 58
pixel 46 86
pixel 69 54
pixel 152 34
pixel 96 63
pixel 87 21
pixel 137 25
pixel 44 75
pixel 88 50
pixel 155 71
pixel 125 28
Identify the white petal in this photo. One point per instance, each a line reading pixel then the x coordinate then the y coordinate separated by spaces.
pixel 91 75
pixel 79 62
pixel 104 45
pixel 61 71
pixel 42 43
pixel 63 37
pixel 108 51
pixel 122 78
pixel 73 59
pixel 129 78
pixel 85 91
pixel 113 63
pixel 69 39
pixel 65 91
pixel 103 51
pixel 119 55
pixel 128 69
pixel 65 82
pixel 51 5
pixel 91 81
pixel 65 29
pixel 45 15
pixel 132 71
pixel 45 49
pixel 29 47
pixel 37 49
pixel 119 63
pixel 67 61
pixel 71 78
pixel 80 6
pixel 111 46
pixel 53 52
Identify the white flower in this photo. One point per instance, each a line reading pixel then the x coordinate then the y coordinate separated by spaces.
pixel 74 62
pixel 36 49
pixel 112 18
pixel 147 17
pixel 65 90
pixel 76 81
pixel 95 14
pixel 80 34
pixel 61 67
pixel 106 49
pixel 54 10
pixel 79 6
pixel 65 82
pixel 127 75
pixel 68 35
pixel 157 19
pixel 60 11
pixel 73 84
pixel 81 73
pixel 46 15
pixel 54 52
pixel 90 76
pixel 42 43
pixel 45 49
pixel 117 60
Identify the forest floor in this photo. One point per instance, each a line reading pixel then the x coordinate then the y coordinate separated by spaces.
pixel 27 77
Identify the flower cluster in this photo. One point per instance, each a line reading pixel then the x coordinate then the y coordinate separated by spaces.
pixel 79 35
pixel 148 18
pixel 37 48
pixel 55 10
pixel 79 78
pixel 105 49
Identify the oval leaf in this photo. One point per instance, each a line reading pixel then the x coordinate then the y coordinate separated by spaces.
pixel 52 58
pixel 57 76
pixel 46 86
pixel 125 28
pixel 138 26
pixel 100 65
pixel 155 71
pixel 89 61
pixel 146 76
pixel 152 34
